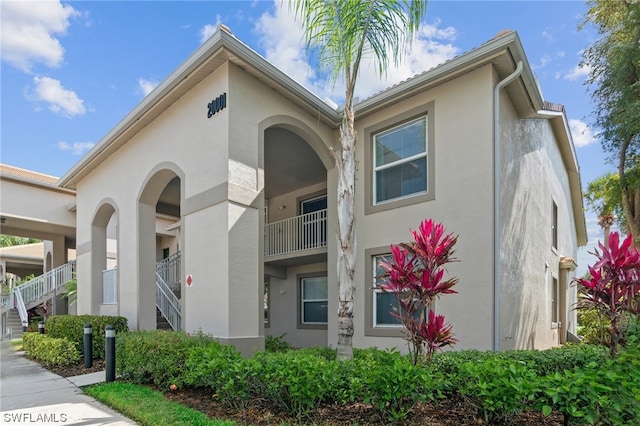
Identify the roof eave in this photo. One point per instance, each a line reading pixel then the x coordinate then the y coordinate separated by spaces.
pixel 220 42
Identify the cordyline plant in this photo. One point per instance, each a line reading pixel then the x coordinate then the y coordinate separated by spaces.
pixel 613 288
pixel 415 274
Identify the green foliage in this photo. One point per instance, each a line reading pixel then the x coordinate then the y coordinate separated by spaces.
pixel 276 344
pixel 500 388
pixel 222 369
pixel 71 290
pixel 10 240
pixel 50 350
pixel 604 392
pixel 71 327
pixel 156 357
pixel 393 384
pixel 296 381
pixel 592 327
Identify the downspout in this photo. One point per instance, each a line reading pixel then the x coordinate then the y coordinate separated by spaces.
pixel 496 203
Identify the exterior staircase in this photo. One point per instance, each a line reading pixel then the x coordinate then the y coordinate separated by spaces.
pixel 33 293
pixel 161 321
pixel 14 324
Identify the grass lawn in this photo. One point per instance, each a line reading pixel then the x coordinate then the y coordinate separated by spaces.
pixel 147 406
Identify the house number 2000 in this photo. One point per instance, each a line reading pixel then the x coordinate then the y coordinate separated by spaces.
pixel 217 105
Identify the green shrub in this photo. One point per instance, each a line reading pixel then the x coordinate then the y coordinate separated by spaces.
pixel 156 357
pixel 222 369
pixel 50 350
pixel 71 327
pixel 499 388
pixel 325 352
pixel 602 392
pixel 295 381
pixel 276 344
pixel 392 383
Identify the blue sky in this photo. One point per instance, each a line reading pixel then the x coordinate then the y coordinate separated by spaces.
pixel 72 70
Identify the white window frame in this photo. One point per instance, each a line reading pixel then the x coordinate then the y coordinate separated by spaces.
pixel 401 161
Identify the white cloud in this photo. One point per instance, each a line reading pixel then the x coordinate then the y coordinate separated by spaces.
pixel 208 30
pixel 581 133
pixel 146 86
pixel 543 62
pixel 282 39
pixel 76 148
pixel 577 72
pixel 547 35
pixel 60 100
pixel 29 31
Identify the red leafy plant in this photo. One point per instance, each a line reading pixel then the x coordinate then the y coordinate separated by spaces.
pixel 613 287
pixel 415 273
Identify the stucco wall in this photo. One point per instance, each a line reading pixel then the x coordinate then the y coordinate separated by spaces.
pixel 533 177
pixel 463 179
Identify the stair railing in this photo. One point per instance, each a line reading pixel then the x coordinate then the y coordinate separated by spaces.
pixel 169 271
pixel 43 287
pixel 167 303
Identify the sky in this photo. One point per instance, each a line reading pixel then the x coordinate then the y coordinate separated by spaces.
pixel 71 70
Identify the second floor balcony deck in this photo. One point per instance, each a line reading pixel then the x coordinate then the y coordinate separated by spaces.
pixel 297 236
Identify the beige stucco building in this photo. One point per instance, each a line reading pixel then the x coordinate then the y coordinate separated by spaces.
pixel 225 171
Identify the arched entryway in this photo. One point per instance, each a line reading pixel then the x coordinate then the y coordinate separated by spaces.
pixel 104 259
pixel 159 249
pixel 297 232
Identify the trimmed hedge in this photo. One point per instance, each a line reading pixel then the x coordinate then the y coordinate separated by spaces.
pixel 71 327
pixel 50 350
pixel 156 356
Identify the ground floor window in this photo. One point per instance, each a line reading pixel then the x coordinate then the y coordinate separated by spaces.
pixel 383 303
pixel 314 300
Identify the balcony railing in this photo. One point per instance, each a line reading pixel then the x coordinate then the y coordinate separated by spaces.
pixel 110 286
pixel 305 232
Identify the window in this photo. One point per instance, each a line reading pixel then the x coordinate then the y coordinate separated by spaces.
pixel 554 302
pixel 554 226
pixel 383 303
pixel 313 300
pixel 399 160
pixel 378 304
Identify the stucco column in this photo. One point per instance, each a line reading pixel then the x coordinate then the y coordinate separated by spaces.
pixel 221 255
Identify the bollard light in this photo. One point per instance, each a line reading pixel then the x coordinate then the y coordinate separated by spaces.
pixel 88 346
pixel 110 353
pixel 41 327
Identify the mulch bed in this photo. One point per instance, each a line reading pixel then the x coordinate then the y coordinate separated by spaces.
pixel 450 412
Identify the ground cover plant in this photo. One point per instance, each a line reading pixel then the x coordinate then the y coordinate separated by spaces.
pixel 149 407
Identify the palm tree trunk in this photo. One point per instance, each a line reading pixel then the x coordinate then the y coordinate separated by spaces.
pixel 346 167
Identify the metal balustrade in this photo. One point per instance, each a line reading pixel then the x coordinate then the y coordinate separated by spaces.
pixel 169 271
pixel 110 286
pixel 304 232
pixel 167 303
pixel 37 290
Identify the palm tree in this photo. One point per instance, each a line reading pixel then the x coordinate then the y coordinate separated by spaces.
pixel 343 31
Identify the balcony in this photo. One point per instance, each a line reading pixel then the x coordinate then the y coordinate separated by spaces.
pixel 296 237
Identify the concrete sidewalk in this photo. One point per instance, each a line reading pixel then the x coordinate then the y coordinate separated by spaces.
pixel 30 394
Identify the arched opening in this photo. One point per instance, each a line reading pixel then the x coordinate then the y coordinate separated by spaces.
pixel 159 250
pixel 104 259
pixel 296 234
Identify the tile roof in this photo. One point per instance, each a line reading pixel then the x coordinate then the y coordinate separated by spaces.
pixel 27 174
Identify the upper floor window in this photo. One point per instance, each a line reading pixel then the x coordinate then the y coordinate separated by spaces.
pixel 400 161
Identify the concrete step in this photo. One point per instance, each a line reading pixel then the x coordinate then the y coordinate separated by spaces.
pixel 14 324
pixel 161 322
